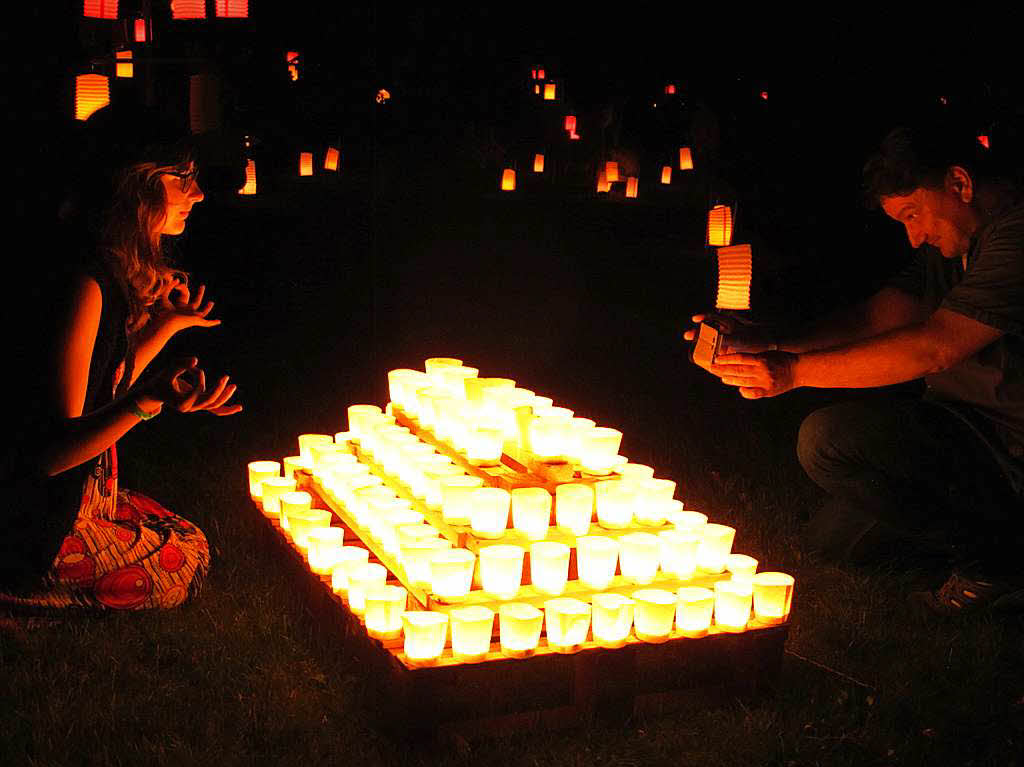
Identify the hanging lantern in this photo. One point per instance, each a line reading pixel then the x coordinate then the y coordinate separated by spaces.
pixel 204 102
pixel 92 92
pixel 331 159
pixel 124 67
pixel 670 89
pixel 533 74
pixel 603 185
pixel 508 180
pixel 685 158
pixel 570 123
pixel 292 59
pixel 983 140
pixel 540 74
pixel 250 178
pixel 720 226
pixel 538 163
pixel 734 275
pixel 666 174
pixel 631 186
pixel 536 88
pixel 232 9
pixel 611 171
pixel 100 9
pixel 184 10
pixel 305 163
pixel 549 91
pixel 140 31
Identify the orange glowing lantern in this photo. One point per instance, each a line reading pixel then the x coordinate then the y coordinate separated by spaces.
pixel 538 163
pixel 685 158
pixel 140 31
pixel 305 163
pixel 232 9
pixel 533 74
pixel 670 89
pixel 720 226
pixel 540 74
pixel 734 275
pixel 764 95
pixel 983 140
pixel 631 186
pixel 574 136
pixel 611 171
pixel 292 59
pixel 570 123
pixel 383 96
pixel 184 10
pixel 125 67
pixel 603 185
pixel 250 178
pixel 549 91
pixel 666 174
pixel 92 92
pixel 331 159
pixel 100 9
pixel 536 88
pixel 508 180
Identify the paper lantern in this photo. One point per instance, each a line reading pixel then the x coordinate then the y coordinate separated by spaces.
pixel 501 570
pixel 331 159
pixel 184 10
pixel 305 163
pixel 350 558
pixel 574 508
pixel 232 9
pixel 735 270
pixel 611 171
pixel 549 91
pixel 471 632
pixel 538 163
pixel 489 511
pixel 292 59
pixel 536 89
pixel 677 552
pixel 100 9
pixel 615 501
pixel 141 34
pixel 719 226
pixel 666 174
pixel 685 158
pixel 457 498
pixel 611 619
pixel 259 471
pixel 124 66
pixel 531 512
pixel 271 490
pixel 694 607
pixel 570 123
pixel 324 548
pixel 302 522
pixel 250 178
pixel 654 612
pixel 92 92
pixel 639 557
pixel 631 186
pixel 596 558
pixel 567 622
pixel 670 89
pixel 360 581
pixel 451 573
pixel 541 75
pixel 383 612
pixel 508 180
pixel 732 605
pixel 603 185
pixel 425 634
pixel 741 568
pixel 714 547
pixel 773 597
pixel 549 566
pixel 519 627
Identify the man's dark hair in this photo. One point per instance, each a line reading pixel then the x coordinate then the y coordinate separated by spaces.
pixel 919 156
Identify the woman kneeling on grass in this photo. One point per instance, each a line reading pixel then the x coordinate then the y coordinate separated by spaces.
pixel 73 539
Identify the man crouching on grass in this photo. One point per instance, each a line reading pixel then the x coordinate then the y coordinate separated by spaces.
pixel 905 472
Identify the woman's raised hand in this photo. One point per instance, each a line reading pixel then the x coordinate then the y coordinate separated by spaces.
pixel 177 310
pixel 182 386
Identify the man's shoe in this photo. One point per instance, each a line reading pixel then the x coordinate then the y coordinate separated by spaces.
pixel 971 592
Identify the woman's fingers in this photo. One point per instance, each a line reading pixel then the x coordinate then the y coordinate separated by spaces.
pixel 212 399
pixel 189 402
pixel 227 410
pixel 198 300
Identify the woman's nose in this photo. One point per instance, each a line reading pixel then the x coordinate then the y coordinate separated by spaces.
pixel 195 193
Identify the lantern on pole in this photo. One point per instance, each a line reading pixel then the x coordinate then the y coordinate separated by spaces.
pixel 100 9
pixel 734 275
pixel 719 226
pixel 232 9
pixel 141 34
pixel 331 159
pixel 541 75
pixel 570 123
pixel 124 67
pixel 250 178
pixel 184 10
pixel 983 140
pixel 305 163
pixel 508 180
pixel 611 171
pixel 292 59
pixel 670 89
pixel 685 158
pixel 631 186
pixel 549 91
pixel 666 174
pixel 538 163
pixel 603 185
pixel 92 92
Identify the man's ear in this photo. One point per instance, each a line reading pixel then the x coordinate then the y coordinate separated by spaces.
pixel 959 182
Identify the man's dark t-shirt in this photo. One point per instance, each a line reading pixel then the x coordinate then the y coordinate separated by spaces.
pixel 986 389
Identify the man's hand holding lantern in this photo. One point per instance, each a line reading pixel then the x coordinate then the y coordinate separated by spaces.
pixel 767 374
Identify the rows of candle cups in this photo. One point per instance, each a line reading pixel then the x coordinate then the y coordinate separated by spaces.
pixel 479 417
pixel 608 619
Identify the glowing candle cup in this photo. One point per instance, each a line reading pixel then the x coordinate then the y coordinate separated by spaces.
pixel 549 566
pixel 350 558
pixel 297 500
pixel 715 545
pixel 596 557
pixel 301 522
pixel 574 508
pixel 677 550
pixel 615 503
pixel 306 442
pixel 360 581
pixel 653 614
pixel 451 573
pixel 501 570
pixel 611 619
pixel 471 632
pixel 773 597
pixel 489 511
pixel 271 490
pixel 457 498
pixel 519 627
pixel 694 607
pixel 384 607
pixel 324 548
pixel 425 634
pixel 741 567
pixel 567 622
pixel 531 512
pixel 639 557
pixel 259 471
pixel 732 605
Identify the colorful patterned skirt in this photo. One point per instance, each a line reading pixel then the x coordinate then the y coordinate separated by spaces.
pixel 124 552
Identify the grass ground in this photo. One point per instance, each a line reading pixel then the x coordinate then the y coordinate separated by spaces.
pixel 582 302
